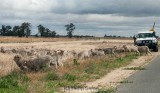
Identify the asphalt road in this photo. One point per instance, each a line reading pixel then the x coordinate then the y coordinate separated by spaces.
pixel 145 81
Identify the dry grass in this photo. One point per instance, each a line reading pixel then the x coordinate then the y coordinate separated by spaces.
pixel 86 70
pixel 7 64
pixel 4 39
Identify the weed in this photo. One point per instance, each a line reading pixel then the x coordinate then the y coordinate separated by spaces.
pixel 13 83
pixel 136 68
pixel 52 76
pixel 122 82
pixel 70 77
pixel 90 69
pixel 105 90
pixel 75 62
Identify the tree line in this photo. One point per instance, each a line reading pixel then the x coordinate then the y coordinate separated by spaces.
pixel 24 30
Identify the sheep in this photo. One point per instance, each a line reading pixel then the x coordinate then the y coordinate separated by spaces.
pixel 144 49
pixel 84 54
pixel 6 50
pixel 20 62
pixel 97 52
pixel 131 49
pixel 119 50
pixel 109 50
pixel 32 63
pixel 69 55
pixel 56 57
pixel 2 49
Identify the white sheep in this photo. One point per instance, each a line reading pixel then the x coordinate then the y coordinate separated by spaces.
pixel 32 63
pixel 84 54
pixel 131 49
pixel 109 50
pixel 119 50
pixel 97 52
pixel 144 49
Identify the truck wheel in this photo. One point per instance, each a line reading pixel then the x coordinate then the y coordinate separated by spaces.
pixel 155 49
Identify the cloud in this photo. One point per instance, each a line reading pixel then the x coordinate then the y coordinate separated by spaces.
pixel 90 16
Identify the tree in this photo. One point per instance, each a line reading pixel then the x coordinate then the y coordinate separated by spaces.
pixel 47 32
pixel 6 30
pixel 16 30
pixel 3 30
pixel 41 30
pixel 70 28
pixel 25 29
pixel 53 33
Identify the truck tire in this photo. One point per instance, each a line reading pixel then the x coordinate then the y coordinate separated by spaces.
pixel 155 49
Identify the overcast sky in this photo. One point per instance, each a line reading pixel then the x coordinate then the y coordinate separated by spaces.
pixel 91 17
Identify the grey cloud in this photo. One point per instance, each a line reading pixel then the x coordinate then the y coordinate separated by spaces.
pixel 95 17
pixel 117 7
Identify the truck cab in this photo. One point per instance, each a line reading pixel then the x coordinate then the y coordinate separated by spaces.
pixel 147 38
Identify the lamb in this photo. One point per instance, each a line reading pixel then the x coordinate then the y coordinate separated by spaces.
pixel 144 49
pixel 131 49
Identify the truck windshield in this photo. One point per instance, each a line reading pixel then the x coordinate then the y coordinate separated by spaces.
pixel 144 35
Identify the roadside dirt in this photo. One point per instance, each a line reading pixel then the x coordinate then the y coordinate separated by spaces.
pixel 113 78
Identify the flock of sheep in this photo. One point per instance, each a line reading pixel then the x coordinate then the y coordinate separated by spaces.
pixel 32 59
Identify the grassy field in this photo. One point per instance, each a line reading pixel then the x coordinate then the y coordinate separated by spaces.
pixel 6 39
pixel 73 74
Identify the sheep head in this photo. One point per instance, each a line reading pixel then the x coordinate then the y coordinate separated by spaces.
pixel 17 58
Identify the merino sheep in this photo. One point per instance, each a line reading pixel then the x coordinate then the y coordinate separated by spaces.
pixel 109 50
pixel 20 62
pixel 32 63
pixel 84 54
pixel 119 50
pixel 131 49
pixel 6 50
pixel 97 52
pixel 56 57
pixel 144 49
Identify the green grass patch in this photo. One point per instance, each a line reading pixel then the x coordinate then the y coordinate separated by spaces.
pixel 122 82
pixel 135 68
pixel 70 75
pixel 106 90
pixel 14 83
pixel 52 76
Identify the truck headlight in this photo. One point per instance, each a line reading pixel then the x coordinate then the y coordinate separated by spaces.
pixel 154 41
pixel 138 42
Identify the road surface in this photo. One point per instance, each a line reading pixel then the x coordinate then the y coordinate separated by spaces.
pixel 145 81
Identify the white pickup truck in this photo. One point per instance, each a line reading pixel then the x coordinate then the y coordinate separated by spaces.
pixel 147 38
